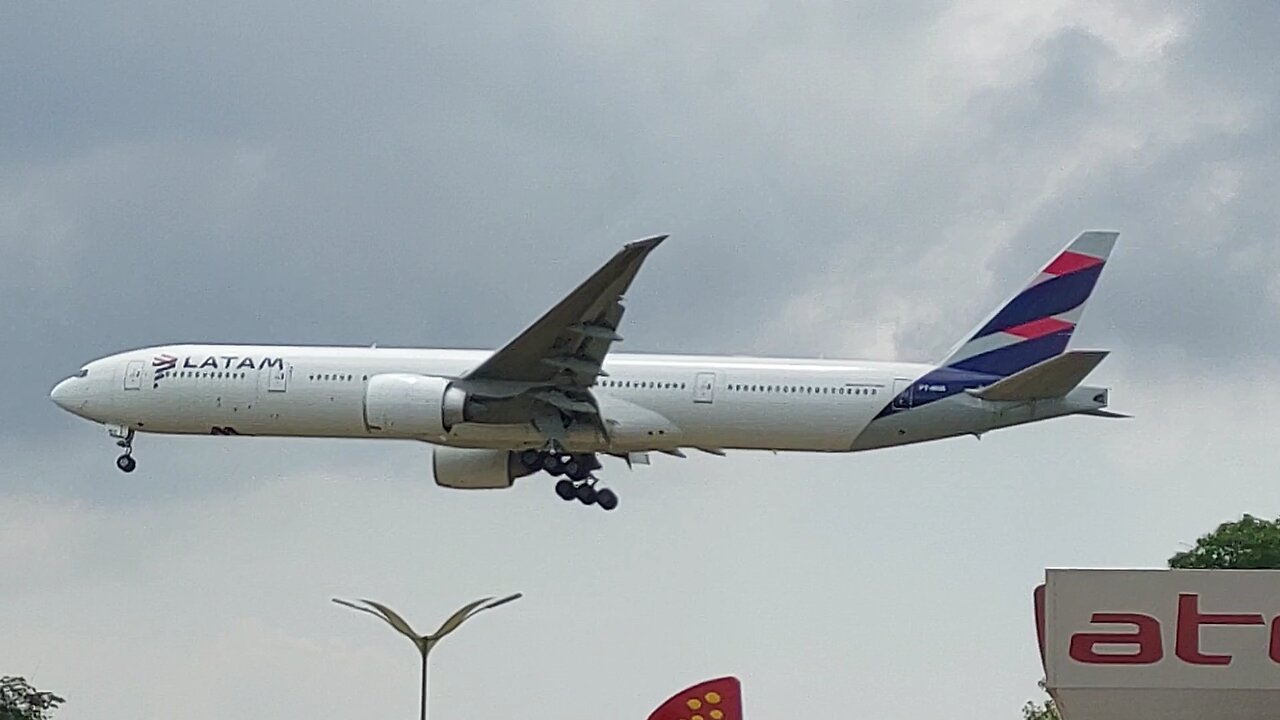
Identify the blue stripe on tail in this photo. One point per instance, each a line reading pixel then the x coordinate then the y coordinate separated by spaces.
pixel 1049 298
pixel 1015 358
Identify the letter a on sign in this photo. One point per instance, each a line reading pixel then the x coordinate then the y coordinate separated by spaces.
pixel 1147 646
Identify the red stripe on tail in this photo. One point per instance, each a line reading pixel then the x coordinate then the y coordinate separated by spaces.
pixel 1069 262
pixel 1039 328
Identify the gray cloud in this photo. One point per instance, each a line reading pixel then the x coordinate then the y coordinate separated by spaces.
pixel 837 180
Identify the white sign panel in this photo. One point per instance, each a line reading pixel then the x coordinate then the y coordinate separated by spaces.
pixel 1158 629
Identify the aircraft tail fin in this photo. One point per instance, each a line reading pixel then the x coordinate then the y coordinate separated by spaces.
pixel 1037 323
pixel 1052 378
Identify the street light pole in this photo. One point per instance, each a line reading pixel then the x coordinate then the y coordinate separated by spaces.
pixel 425 643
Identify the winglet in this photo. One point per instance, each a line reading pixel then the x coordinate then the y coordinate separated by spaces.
pixel 646 244
pixel 1099 412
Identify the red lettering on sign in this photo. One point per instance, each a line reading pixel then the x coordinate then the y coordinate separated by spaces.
pixel 1189 621
pixel 1275 639
pixel 1149 648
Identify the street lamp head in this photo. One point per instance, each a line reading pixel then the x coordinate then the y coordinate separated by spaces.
pixel 390 617
pixel 504 601
pixel 424 642
pixel 466 612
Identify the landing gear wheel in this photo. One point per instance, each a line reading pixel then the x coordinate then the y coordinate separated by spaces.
pixel 531 459
pixel 566 490
pixel 126 463
pixel 607 499
pixel 586 494
pixel 553 465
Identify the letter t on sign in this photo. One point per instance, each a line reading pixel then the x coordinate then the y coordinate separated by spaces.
pixel 1189 621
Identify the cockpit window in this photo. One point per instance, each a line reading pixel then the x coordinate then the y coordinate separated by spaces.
pixel 84 372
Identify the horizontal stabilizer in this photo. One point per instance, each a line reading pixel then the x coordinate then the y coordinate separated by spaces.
pixel 1052 378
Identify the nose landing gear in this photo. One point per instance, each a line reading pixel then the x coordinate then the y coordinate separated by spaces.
pixel 578 482
pixel 124 436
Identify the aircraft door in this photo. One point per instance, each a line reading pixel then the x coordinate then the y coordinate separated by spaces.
pixel 704 387
pixel 902 388
pixel 133 375
pixel 278 380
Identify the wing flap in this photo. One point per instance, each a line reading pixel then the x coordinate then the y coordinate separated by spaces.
pixel 1052 378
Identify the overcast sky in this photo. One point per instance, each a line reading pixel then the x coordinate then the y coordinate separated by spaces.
pixel 837 180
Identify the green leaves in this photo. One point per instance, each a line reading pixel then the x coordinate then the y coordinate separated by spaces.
pixel 20 701
pixel 1246 544
pixel 1047 710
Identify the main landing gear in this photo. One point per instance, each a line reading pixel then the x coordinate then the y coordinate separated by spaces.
pixel 578 482
pixel 124 436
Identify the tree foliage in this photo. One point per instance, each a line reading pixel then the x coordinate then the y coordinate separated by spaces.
pixel 20 701
pixel 1246 544
pixel 1046 710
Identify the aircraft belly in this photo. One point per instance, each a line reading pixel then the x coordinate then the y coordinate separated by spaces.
pixel 286 414
pixel 793 424
pixel 954 416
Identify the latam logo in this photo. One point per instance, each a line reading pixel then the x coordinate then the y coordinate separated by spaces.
pixel 165 363
pixel 1145 642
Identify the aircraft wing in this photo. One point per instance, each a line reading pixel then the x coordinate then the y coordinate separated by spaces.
pixel 567 346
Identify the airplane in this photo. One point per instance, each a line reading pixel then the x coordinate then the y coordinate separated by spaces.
pixel 555 399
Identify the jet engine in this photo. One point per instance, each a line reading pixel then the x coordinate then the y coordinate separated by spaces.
pixel 412 406
pixel 472 469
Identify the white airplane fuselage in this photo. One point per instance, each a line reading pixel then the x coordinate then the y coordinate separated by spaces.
pixel 648 402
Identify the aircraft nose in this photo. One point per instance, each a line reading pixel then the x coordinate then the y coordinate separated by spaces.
pixel 61 394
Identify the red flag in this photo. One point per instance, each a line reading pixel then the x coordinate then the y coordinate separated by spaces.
pixel 719 699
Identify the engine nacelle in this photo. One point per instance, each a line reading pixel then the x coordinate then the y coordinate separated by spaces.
pixel 412 406
pixel 471 469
